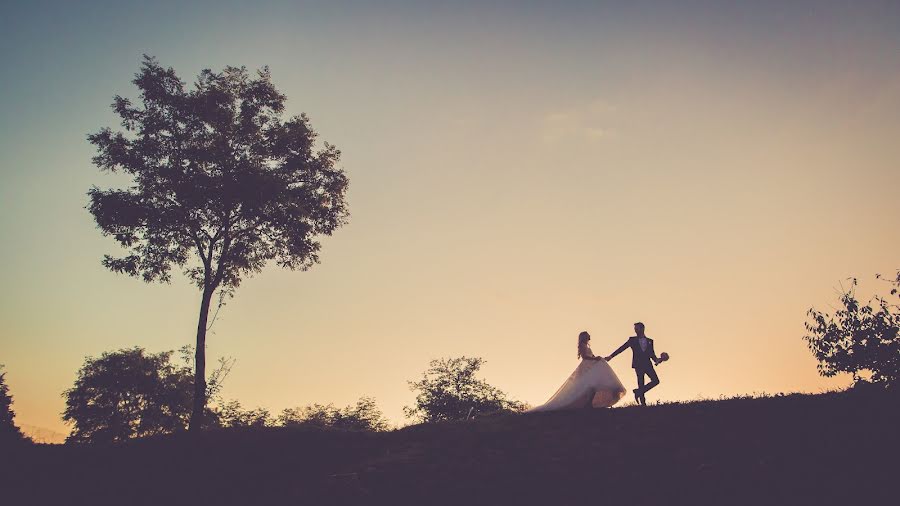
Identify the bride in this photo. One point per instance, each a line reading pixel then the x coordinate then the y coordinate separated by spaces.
pixel 593 384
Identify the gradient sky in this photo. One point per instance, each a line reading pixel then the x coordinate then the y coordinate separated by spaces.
pixel 519 173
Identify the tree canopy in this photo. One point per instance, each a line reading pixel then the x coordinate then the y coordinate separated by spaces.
pixel 128 393
pixel 220 185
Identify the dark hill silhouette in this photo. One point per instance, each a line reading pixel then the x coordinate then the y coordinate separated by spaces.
pixel 836 448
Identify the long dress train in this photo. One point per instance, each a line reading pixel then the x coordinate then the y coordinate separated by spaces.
pixel 593 384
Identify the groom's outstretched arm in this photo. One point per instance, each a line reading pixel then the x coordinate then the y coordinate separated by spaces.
pixel 620 350
pixel 653 354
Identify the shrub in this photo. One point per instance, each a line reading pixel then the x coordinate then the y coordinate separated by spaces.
pixel 860 339
pixel 449 390
pixel 364 416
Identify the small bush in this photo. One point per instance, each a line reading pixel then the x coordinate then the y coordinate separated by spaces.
pixel 859 339
pixel 449 390
pixel 364 416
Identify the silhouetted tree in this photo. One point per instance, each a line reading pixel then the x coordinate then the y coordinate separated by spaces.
pixel 9 432
pixel 220 186
pixel 449 389
pixel 858 338
pixel 130 393
pixel 364 416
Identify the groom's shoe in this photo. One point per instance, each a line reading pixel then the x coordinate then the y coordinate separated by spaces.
pixel 637 395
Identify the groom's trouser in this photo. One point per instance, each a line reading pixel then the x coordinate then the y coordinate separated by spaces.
pixel 651 373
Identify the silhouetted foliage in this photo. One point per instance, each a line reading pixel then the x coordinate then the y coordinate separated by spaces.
pixel 364 416
pixel 232 414
pixel 220 185
pixel 449 389
pixel 216 379
pixel 9 432
pixel 130 393
pixel 858 338
pixel 895 281
pixel 126 394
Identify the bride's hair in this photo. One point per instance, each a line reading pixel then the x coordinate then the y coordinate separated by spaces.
pixel 582 342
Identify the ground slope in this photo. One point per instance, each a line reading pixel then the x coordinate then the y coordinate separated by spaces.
pixel 800 449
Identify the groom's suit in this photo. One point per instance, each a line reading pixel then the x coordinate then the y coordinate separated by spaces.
pixel 640 358
pixel 641 362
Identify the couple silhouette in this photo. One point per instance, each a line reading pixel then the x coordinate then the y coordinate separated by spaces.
pixel 595 384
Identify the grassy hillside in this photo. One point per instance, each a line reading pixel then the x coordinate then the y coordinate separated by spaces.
pixel 837 448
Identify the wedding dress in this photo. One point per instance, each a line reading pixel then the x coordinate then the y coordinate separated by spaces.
pixel 593 384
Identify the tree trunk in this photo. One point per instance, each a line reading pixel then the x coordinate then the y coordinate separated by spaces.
pixel 200 364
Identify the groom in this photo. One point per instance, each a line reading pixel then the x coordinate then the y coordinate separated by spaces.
pixel 643 353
